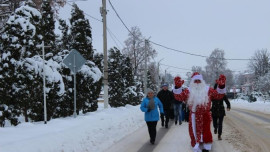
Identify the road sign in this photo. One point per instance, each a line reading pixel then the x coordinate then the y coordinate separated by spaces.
pixel 74 61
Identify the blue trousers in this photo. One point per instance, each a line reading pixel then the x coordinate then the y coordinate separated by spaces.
pixel 178 112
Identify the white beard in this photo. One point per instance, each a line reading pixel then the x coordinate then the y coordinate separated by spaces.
pixel 198 94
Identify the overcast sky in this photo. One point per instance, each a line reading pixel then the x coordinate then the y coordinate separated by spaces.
pixel 239 27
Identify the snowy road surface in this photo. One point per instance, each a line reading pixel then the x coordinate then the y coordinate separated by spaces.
pixel 174 139
pixel 250 131
pixel 123 129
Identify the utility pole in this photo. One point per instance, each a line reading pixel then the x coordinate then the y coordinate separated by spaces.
pixel 103 12
pixel 44 81
pixel 145 67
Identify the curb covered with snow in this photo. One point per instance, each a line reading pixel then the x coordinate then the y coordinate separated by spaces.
pixel 94 131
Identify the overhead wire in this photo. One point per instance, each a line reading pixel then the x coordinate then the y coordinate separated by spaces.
pixel 172 49
pixel 175 67
pixel 88 14
pixel 113 37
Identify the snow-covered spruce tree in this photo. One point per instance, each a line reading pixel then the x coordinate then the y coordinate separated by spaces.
pixel 130 96
pixel 150 83
pixel 81 36
pixel 97 87
pixel 24 30
pixel 48 26
pixel 48 36
pixel 19 41
pixel 65 103
pixel 115 78
pixel 88 77
pixel 63 43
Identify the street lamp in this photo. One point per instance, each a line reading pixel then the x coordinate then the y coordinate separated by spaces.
pixel 158 79
pixel 165 79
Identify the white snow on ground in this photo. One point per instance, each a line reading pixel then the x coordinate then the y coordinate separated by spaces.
pixel 259 106
pixel 93 132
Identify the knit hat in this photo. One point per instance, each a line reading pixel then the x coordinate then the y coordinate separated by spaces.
pixel 178 82
pixel 164 85
pixel 149 90
pixel 221 80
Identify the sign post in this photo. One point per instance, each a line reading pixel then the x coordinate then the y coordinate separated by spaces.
pixel 234 91
pixel 74 61
pixel 42 45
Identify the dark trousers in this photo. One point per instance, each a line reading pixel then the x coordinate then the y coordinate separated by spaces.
pixel 217 123
pixel 166 115
pixel 152 129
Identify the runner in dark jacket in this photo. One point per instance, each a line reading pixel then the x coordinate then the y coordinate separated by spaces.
pixel 166 97
pixel 218 113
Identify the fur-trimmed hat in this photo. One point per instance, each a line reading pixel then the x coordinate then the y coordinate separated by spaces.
pixel 196 76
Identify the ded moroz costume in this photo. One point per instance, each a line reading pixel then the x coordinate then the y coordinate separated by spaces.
pixel 198 98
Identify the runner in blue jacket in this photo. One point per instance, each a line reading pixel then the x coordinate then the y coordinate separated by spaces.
pixel 150 105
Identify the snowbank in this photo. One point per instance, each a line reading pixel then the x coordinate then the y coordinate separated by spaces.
pixel 93 132
pixel 259 106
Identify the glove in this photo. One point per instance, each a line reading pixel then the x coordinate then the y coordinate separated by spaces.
pixel 162 114
pixel 148 110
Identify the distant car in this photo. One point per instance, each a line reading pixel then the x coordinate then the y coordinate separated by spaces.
pixel 231 95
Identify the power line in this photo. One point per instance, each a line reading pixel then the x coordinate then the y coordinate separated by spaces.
pixel 112 37
pixel 193 53
pixel 120 18
pixel 88 14
pixel 111 33
pixel 184 52
pixel 177 50
pixel 175 67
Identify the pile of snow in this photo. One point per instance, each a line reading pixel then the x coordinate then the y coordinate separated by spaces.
pixel 258 106
pixel 95 131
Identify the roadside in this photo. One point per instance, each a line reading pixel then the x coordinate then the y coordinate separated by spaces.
pixel 249 130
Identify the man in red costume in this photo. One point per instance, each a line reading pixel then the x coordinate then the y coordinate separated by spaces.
pixel 198 97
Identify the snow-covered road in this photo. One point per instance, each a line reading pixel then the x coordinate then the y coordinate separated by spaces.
pixel 123 129
pixel 250 131
pixel 175 139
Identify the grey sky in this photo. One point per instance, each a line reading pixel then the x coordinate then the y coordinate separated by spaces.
pixel 239 27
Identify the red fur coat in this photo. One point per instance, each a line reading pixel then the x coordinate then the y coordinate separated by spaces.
pixel 202 116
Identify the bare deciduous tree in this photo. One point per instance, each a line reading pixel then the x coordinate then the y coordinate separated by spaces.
pixel 260 63
pixel 135 47
pixel 216 65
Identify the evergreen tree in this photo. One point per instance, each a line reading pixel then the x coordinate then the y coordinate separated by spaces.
pixel 116 81
pixel 130 96
pixel 81 33
pixel 18 43
pixel 65 104
pixel 98 59
pixel 89 76
pixel 48 26
pixel 150 83
pixel 64 41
